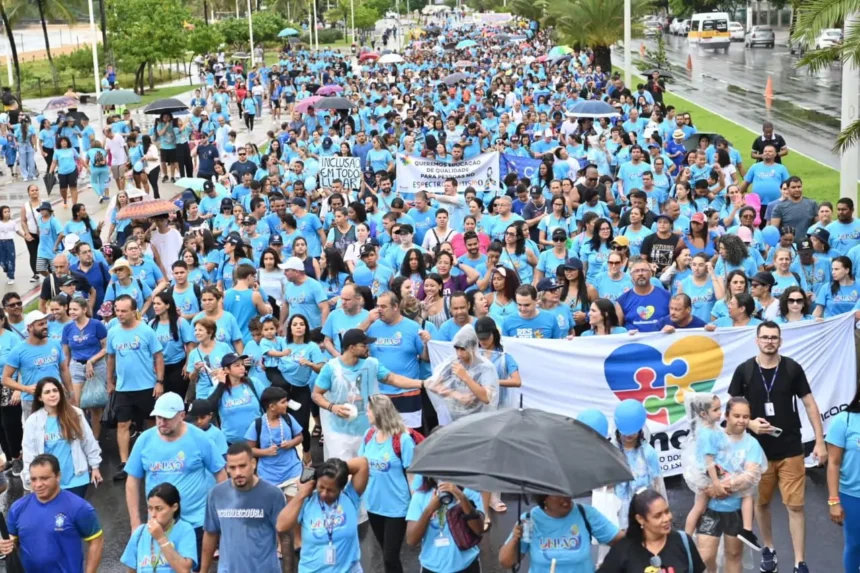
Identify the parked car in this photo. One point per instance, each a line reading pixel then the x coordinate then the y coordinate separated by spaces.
pixel 652 29
pixel 828 38
pixel 736 31
pixel 760 36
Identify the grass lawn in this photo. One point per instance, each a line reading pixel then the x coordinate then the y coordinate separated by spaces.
pixel 819 181
pixel 159 93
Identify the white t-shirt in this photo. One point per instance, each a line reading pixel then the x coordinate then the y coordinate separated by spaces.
pixel 117 148
pixel 273 284
pixel 7 229
pixel 169 245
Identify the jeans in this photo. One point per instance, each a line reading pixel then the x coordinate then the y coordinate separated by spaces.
pixel 389 532
pixel 27 159
pixel 259 100
pixel 851 553
pixel 100 179
pixel 7 257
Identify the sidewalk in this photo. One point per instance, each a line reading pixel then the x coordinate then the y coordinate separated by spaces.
pixel 13 192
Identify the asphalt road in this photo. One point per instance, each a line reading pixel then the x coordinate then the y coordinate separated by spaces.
pixel 805 109
pixel 824 540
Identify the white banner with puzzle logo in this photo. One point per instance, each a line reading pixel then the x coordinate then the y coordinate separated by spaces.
pixel 568 376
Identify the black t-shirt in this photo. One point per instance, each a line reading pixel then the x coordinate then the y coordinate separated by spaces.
pixel 628 556
pixel 659 251
pixel 790 384
pixel 530 211
pixel 648 221
pixel 82 286
pixel 777 140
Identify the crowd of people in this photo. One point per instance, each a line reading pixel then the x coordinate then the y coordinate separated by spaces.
pixel 270 310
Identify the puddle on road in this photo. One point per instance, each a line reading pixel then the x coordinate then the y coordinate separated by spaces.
pixel 793 112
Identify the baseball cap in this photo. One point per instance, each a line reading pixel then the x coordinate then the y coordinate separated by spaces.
pixel 804 245
pixel 249 221
pixel 208 186
pixel 34 316
pixel 621 241
pixel 484 327
pixel 292 264
pixel 355 336
pixel 199 408
pixel 745 234
pixel 515 139
pixel 822 234
pixel 535 190
pixel 366 250
pixel 168 405
pixel 326 141
pixel 276 240
pixel 698 218
pixel 70 240
pixel 663 216
pixel 226 202
pixel 573 264
pixel 45 206
pixel 763 278
pixel 548 283
pixel 547 132
pixel 69 281
pixel 231 358
pixel 298 201
pixel 234 240
pixel 559 234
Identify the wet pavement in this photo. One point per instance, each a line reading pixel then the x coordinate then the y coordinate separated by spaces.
pixel 805 108
pixel 824 539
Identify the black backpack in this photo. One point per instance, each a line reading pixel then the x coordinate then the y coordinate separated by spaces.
pixel 198 293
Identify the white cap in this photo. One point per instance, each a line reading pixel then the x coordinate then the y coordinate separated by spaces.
pixel 292 264
pixel 34 316
pixel 70 240
pixel 547 132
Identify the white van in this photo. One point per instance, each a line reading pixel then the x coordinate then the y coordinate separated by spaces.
pixel 710 31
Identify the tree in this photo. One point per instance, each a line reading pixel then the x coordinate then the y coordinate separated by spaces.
pixel 596 24
pixel 365 17
pixel 529 9
pixel 47 9
pixel 8 27
pixel 234 31
pixel 267 24
pixel 813 16
pixel 203 39
pixel 147 31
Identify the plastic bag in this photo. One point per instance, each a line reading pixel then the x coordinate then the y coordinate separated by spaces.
pixel 451 397
pixel 109 421
pixel 343 437
pixel 95 393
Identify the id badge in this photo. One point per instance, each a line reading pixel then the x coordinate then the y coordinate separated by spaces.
pixel 768 409
pixel 330 555
pixel 442 542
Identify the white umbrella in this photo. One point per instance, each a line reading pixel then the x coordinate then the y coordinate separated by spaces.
pixel 391 59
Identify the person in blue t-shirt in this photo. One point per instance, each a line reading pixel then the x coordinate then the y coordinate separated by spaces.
pixel 48 525
pixel 274 438
pixel 304 295
pixel 845 231
pixel 841 294
pixel 843 437
pixel 644 305
pixel 327 510
pixel 236 397
pixel 531 321
pixel 766 177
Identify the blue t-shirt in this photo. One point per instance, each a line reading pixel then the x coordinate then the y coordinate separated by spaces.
pixel 49 534
pixel 205 383
pixel 143 554
pixel 226 331
pixel 147 272
pixel 174 349
pixel 766 180
pixel 338 322
pixel 397 347
pixel 59 447
pixel 66 160
pixel 238 408
pixel 84 343
pixel 49 231
pixel 35 363
pixel 642 312
pixel 445 556
pixel 703 297
pixel 843 301
pixel 307 226
pixel 565 539
pixel 544 325
pixel 733 458
pixel 134 351
pixel 286 464
pixel 843 236
pixel 305 299
pixel 844 432
pixel 185 463
pixel 387 491
pixel 240 303
pixel 317 519
pixel 610 288
pixel 297 374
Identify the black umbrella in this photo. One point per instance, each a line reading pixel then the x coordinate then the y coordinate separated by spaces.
pixel 13 560
pixel 294 40
pixel 692 142
pixel 295 73
pixel 503 37
pixel 521 451
pixel 242 56
pixel 167 105
pixel 79 117
pixel 333 103
pixel 454 78
pixel 450 45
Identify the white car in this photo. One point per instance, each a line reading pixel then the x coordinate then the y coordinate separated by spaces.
pixel 736 31
pixel 828 38
pixel 652 29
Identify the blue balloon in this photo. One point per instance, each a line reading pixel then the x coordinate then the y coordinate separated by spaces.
pixel 630 416
pixel 362 276
pixel 594 419
pixel 770 234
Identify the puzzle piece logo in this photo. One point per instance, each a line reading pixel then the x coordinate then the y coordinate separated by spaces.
pixel 659 380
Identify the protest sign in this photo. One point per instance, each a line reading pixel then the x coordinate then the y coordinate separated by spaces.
pixel 347 169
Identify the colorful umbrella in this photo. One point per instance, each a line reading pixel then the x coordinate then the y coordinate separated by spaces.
pixel 559 51
pixel 466 44
pixel 541 59
pixel 286 32
pixel 329 90
pixel 307 103
pixel 368 56
pixel 61 103
pixel 147 209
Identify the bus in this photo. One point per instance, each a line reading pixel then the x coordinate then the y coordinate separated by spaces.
pixel 710 31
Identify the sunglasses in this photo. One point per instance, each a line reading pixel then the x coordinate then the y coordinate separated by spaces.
pixel 618 248
pixel 14 304
pixel 795 301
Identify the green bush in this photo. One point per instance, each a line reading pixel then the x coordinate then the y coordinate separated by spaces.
pixel 327 36
pixel 81 60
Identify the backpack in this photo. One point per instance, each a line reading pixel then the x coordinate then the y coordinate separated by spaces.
pixel 258 425
pixel 97 240
pixel 749 371
pixel 106 309
pixel 197 293
pixel 99 159
pixel 417 437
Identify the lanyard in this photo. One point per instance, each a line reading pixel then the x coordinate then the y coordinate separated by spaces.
pixel 768 387
pixel 155 558
pixel 328 518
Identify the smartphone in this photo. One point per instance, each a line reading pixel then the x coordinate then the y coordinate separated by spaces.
pixel 777 432
pixel 307 475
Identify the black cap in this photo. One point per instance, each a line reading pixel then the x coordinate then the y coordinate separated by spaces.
pixel 484 327
pixel 763 278
pixel 366 250
pixel 199 408
pixel 663 216
pixel 298 201
pixel 819 233
pixel 559 234
pixel 548 283
pixel 208 186
pixel 226 203
pixel 355 336
pixel 535 190
pixel 276 239
pixel 804 245
pixel 233 239
pixel 69 281
pixel 45 206
pixel 249 221
pixel 573 264
pixel 231 358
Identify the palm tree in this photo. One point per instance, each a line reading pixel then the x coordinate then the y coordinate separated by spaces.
pixel 8 27
pixel 813 16
pixel 597 24
pixel 529 9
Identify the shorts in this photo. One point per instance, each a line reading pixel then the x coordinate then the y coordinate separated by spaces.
pixel 790 475
pixel 44 265
pixel 78 371
pixel 134 405
pixel 168 155
pixel 290 487
pixel 118 171
pixel 276 104
pixel 719 523
pixel 68 180
pixel 290 98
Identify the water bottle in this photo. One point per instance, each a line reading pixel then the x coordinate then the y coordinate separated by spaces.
pixel 527 529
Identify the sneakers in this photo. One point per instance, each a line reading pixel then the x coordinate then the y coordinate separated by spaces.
pixel 10 282
pixel 749 539
pixel 120 475
pixel 35 279
pixel 801 568
pixel 17 467
pixel 769 563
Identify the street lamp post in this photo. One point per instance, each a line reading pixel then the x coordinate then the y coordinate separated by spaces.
pixel 848 172
pixel 628 40
pixel 251 32
pixel 95 47
pixel 352 9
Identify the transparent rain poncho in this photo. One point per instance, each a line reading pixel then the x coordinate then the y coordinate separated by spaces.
pixel 704 444
pixel 352 387
pixel 451 397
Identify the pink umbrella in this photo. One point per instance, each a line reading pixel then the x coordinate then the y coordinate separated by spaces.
pixel 307 103
pixel 329 90
pixel 541 59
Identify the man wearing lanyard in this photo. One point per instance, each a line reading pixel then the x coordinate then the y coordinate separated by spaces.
pixel 772 383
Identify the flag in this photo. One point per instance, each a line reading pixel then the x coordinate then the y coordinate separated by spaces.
pixel 522 166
